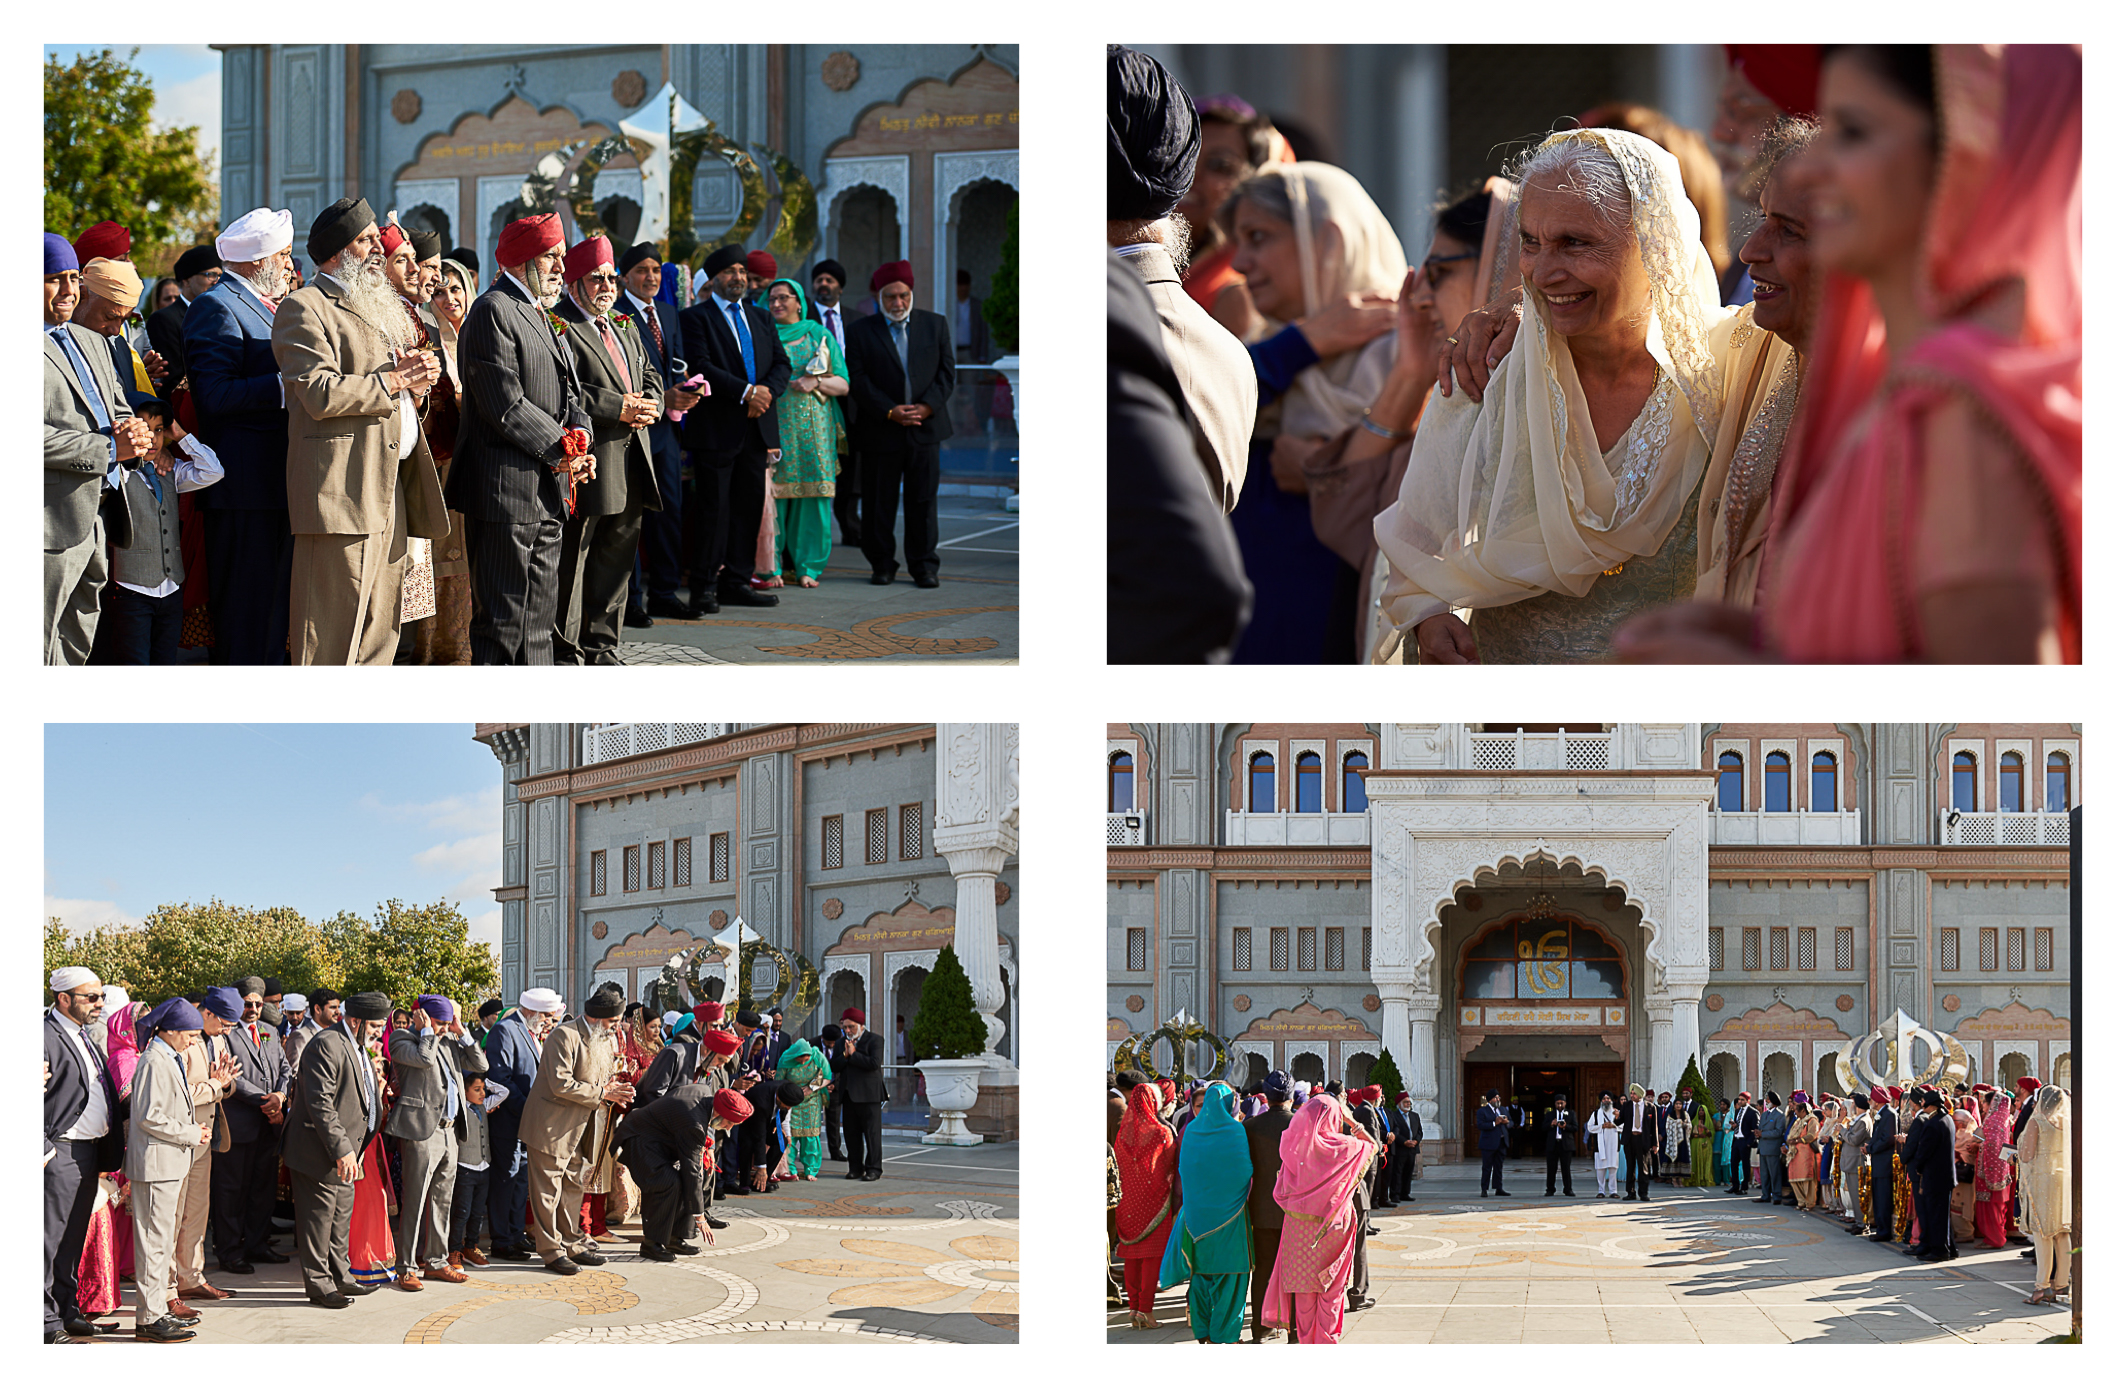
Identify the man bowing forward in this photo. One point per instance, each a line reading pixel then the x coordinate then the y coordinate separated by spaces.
pixel 524 435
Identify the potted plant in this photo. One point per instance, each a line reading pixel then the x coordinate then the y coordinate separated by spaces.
pixel 947 1038
pixel 1000 309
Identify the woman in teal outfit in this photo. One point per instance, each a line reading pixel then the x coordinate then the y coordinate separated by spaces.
pixel 1213 1242
pixel 813 438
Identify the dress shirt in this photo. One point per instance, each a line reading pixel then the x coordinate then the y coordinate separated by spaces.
pixel 832 318
pixel 899 345
pixel 95 1119
pixel 649 320
pixel 965 315
pixel 1637 1115
pixel 733 315
pixel 98 407
pixel 619 358
pixel 197 467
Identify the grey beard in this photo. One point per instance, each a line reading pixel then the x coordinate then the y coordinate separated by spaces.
pixel 1178 238
pixel 375 301
pixel 546 290
pixel 901 317
pixel 271 280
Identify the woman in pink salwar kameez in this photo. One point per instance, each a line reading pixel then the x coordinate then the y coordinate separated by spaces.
pixel 1321 1166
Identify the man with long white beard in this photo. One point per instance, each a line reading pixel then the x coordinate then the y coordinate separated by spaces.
pixel 242 412
pixel 523 446
pixel 360 479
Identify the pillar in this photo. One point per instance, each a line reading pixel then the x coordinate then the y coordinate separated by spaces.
pixel 977 833
pixel 1423 1063
pixel 1686 1027
pixel 1663 1069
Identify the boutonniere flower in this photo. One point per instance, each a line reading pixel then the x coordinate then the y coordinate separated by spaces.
pixel 560 328
pixel 620 320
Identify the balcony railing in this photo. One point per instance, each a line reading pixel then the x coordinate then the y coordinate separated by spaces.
pixel 1127 827
pixel 603 743
pixel 1546 752
pixel 2005 828
pixel 1785 828
pixel 1297 828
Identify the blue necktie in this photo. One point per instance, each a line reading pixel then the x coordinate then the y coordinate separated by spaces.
pixel 744 335
pixel 899 343
pixel 81 372
pixel 449 1079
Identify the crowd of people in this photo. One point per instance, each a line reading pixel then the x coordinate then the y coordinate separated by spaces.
pixel 1263 1202
pixel 1580 428
pixel 371 460
pixel 393 1141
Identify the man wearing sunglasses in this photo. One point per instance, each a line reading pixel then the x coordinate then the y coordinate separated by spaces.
pixel 82 1122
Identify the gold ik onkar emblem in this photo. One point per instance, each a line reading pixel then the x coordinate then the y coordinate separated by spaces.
pixel 1543 964
pixel 1899 1037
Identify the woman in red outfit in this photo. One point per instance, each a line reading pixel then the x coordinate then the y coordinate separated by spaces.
pixel 1148 1152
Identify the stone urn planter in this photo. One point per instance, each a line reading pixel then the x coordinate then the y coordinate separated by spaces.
pixel 953 1087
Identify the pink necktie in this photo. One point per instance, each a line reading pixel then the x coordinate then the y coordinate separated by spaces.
pixel 619 362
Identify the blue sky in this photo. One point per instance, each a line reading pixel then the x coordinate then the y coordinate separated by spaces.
pixel 187 79
pixel 315 817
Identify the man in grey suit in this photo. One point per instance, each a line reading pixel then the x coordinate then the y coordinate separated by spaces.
pixel 331 1119
pixel 431 1092
pixel 523 442
pixel 246 1170
pixel 161 1145
pixel 88 429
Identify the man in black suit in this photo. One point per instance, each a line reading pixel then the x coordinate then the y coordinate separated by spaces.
pixel 735 346
pixel 1492 1128
pixel 835 1045
pixel 247 1171
pixel 1880 1156
pixel 1264 1147
pixel 522 437
pixel 828 278
pixel 198 269
pixel 661 1144
pixel 861 1076
pixel 83 1136
pixel 1394 1181
pixel 900 375
pixel 1640 1143
pixel 1559 1137
pixel 655 591
pixel 1928 1156
pixel 1746 1123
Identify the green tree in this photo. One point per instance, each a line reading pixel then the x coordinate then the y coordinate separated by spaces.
pixel 1001 307
pixel 103 161
pixel 405 951
pixel 180 947
pixel 1387 1076
pixel 946 1025
pixel 1692 1080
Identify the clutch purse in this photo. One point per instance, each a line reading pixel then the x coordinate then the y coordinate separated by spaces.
pixel 822 362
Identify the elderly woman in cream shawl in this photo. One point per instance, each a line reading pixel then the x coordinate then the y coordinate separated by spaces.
pixel 1566 498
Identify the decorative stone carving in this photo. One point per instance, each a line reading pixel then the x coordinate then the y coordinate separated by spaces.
pixel 629 89
pixel 1845 1002
pixel 405 106
pixel 719 918
pixel 1002 888
pixel 1242 1003
pixel 1951 1003
pixel 831 908
pixel 1371 1003
pixel 1715 1003
pixel 598 929
pixel 840 71
pixel 1135 1000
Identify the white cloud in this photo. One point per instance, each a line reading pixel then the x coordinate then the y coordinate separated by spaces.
pixel 196 101
pixel 487 926
pixel 458 856
pixel 464 814
pixel 82 915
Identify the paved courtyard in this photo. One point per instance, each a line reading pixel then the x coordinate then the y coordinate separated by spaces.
pixel 971 618
pixel 929 1254
pixel 1692 1266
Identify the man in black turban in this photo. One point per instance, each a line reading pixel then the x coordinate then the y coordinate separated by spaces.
pixel 1153 137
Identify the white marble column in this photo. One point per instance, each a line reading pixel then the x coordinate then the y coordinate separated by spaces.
pixel 977 833
pixel 1423 1062
pixel 1685 1038
pixel 1663 1069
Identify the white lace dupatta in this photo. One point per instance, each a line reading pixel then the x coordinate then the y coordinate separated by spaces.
pixel 1512 497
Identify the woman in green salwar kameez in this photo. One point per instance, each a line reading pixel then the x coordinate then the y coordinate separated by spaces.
pixel 1703 1128
pixel 804 1065
pixel 813 437
pixel 1212 1244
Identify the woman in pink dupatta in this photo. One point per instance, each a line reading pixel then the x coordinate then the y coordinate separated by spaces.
pixel 1928 507
pixel 1994 1174
pixel 1321 1166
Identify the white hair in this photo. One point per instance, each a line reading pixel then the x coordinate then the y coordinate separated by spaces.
pixel 1582 167
pixel 373 299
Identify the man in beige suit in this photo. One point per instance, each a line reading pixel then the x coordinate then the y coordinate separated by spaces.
pixel 360 478
pixel 1153 139
pixel 162 1143
pixel 578 1072
pixel 209 1073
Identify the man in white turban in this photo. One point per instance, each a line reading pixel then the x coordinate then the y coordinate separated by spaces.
pixel 514 1047
pixel 81 1139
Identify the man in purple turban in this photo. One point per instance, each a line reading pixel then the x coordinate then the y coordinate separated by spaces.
pixel 434 1054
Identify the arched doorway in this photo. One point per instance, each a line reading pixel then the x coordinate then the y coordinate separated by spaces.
pixel 904 1081
pixel 844 990
pixel 2061 1073
pixel 1724 1076
pixel 1257 1068
pixel 1780 1074
pixel 863 231
pixel 1825 1080
pixel 2013 1067
pixel 1308 1069
pixel 1357 1070
pixel 977 226
pixel 427 218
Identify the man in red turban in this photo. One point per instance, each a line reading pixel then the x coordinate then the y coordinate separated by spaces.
pixel 900 378
pixel 859 1073
pixel 523 444
pixel 1763 82
pixel 104 240
pixel 760 270
pixel 663 1143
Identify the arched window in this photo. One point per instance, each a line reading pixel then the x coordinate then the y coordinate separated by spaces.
pixel 1121 782
pixel 1965 781
pixel 2057 793
pixel 2009 782
pixel 1542 960
pixel 1261 782
pixel 1823 797
pixel 1353 766
pixel 1732 783
pixel 1308 782
pixel 1777 783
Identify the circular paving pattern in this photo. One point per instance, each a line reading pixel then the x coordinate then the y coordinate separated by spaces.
pixel 996 1274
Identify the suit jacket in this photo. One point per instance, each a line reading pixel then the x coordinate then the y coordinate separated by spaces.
pixel 878 385
pixel 292 1044
pixel 329 1117
pixel 717 425
pixel 1647 1115
pixel 662 433
pixel 343 470
pixel 512 1064
pixel 1493 1128
pixel 166 335
pixel 1854 1137
pixel 520 394
pixel 1568 1138
pixel 755 1136
pixel 1882 1143
pixel 669 1070
pixel 1928 1152
pixel 228 355
pixel 421 1109
pixel 1745 1123
pixel 163 1140
pixel 860 1073
pixel 66 1094
pixel 1214 370
pixel 77 453
pixel 677 1123
pixel 579 1061
pixel 1770 1130
pixel 1264 1147
pixel 625 469
pixel 261 1069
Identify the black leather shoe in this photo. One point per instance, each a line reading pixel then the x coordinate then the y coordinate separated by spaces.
pixel 240 1268
pixel 1880 1238
pixel 587 1259
pixel 873 1175
pixel 82 1327
pixel 883 577
pixel 704 604
pixel 657 1252
pixel 354 1289
pixel 163 1331
pixel 1569 1196
pixel 638 619
pixel 335 1301
pixel 714 1222
pixel 511 1254
pixel 562 1266
pixel 662 607
pixel 688 1249
pixel 853 1175
pixel 1548 1192
pixel 268 1255
pixel 1370 1231
pixel 1360 1303
pixel 926 582
pixel 1506 1193
pixel 746 595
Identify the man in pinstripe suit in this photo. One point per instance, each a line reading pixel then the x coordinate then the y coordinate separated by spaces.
pixel 509 477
